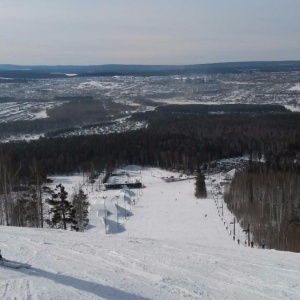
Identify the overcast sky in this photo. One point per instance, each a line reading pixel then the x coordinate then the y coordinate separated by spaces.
pixel 148 31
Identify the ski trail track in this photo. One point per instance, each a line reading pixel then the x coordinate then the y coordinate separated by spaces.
pixel 168 268
pixel 169 250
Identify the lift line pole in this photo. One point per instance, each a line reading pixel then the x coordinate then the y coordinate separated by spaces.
pixel 248 232
pixel 233 228
pixel 222 209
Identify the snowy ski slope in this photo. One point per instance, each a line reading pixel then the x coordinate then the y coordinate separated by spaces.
pixel 164 248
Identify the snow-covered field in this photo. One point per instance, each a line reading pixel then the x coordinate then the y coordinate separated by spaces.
pixel 295 88
pixel 170 245
pixel 17 111
pixel 120 126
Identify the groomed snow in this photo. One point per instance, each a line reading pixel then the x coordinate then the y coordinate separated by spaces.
pixel 293 107
pixel 166 248
pixel 295 88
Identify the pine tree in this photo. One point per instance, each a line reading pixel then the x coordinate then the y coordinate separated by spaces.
pixel 200 186
pixel 61 210
pixel 25 211
pixel 36 180
pixel 80 211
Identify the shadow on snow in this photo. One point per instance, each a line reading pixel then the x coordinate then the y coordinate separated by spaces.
pixel 113 227
pixel 98 289
pixel 123 212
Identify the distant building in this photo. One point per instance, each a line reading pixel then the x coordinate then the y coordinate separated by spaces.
pixel 121 179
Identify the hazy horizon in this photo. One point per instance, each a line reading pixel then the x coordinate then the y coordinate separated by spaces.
pixel 125 64
pixel 98 32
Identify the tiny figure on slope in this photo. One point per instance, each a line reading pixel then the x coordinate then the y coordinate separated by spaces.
pixel 252 244
pixel 238 241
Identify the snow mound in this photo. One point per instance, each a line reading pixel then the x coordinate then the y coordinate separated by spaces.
pixel 231 173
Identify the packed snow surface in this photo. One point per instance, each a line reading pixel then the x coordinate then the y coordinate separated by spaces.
pixel 295 88
pixel 159 242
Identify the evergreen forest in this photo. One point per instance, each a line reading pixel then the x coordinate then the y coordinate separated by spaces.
pixel 186 139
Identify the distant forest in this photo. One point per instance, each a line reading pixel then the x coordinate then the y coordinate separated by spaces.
pixel 164 112
pixel 78 111
pixel 180 141
pixel 265 195
pixel 38 72
pixel 268 198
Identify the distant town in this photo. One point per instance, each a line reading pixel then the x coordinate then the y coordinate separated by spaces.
pixel 118 97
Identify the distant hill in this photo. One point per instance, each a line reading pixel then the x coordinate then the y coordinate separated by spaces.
pixel 44 71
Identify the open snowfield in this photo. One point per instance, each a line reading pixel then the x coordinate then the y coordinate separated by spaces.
pixel 17 111
pixel 295 88
pixel 163 247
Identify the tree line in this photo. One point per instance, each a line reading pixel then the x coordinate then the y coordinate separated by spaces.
pixel 29 202
pixel 79 111
pixel 177 141
pixel 182 142
pixel 268 199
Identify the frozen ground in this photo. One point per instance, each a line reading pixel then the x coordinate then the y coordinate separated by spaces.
pixel 18 111
pixel 166 248
pixel 295 88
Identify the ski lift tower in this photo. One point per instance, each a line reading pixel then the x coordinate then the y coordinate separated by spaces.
pixel 247 231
